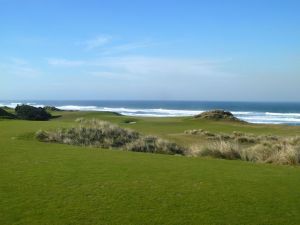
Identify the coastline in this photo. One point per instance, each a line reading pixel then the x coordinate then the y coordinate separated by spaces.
pixel 257 113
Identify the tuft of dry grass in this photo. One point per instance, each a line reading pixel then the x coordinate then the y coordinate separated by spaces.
pixel 218 149
pixel 91 133
pixel 103 134
pixel 282 153
pixel 235 146
pixel 154 145
pixel 248 147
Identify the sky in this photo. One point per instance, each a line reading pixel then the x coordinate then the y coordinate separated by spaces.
pixel 229 50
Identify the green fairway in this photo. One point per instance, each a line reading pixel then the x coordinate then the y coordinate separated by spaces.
pixel 49 184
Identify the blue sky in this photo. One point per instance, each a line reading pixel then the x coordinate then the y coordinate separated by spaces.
pixel 164 50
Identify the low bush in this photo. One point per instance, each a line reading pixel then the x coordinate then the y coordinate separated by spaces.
pixel 107 135
pixel 269 152
pixel 27 112
pixel 91 133
pixel 154 145
pixel 284 154
pixel 220 149
pixel 248 147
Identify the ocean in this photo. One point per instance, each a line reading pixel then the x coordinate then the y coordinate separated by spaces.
pixel 254 112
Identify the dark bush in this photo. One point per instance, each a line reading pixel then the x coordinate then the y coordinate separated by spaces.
pixel 27 112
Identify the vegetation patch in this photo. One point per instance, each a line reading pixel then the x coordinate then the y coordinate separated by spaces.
pixel 217 115
pixel 249 147
pixel 52 108
pixel 239 137
pixel 103 134
pixel 6 115
pixel 27 112
pixel 154 144
pixel 130 121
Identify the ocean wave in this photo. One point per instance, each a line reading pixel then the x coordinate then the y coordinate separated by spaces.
pixel 283 114
pixel 15 104
pixel 252 117
pixel 135 112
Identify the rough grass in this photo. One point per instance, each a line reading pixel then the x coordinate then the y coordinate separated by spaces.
pixel 103 134
pixel 277 150
pixel 238 145
pixel 154 144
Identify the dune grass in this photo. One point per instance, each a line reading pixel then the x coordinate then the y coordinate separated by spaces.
pixel 248 147
pixel 103 134
pixel 48 183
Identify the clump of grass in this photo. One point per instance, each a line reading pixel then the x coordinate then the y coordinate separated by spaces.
pixel 103 134
pixel 154 145
pixel 241 138
pixel 220 149
pixel 248 147
pixel 268 152
pixel 91 133
pixel 284 154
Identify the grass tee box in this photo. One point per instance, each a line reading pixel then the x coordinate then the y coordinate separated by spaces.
pixel 47 183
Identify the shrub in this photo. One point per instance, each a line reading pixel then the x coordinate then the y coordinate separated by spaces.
pixel 42 135
pixel 28 112
pixel 268 152
pixel 91 133
pixel 107 135
pixel 284 154
pixel 220 149
pixel 154 145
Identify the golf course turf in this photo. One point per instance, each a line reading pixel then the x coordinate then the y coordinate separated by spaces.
pixel 48 184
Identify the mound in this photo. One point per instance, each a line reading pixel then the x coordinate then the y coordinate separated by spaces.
pixel 4 114
pixel 27 112
pixel 217 115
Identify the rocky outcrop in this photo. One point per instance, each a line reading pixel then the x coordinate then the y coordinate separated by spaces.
pixel 217 115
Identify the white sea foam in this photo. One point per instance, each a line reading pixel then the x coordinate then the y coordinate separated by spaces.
pixel 283 114
pixel 252 117
pixel 135 112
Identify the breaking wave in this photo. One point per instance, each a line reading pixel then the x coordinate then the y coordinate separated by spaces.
pixel 249 116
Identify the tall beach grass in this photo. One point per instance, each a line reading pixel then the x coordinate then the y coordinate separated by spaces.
pixel 102 134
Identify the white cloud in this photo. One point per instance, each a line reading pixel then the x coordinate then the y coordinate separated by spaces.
pixel 66 62
pixel 140 66
pixel 103 74
pixel 19 67
pixel 97 42
pixel 126 47
pixel 107 45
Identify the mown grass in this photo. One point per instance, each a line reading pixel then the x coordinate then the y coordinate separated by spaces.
pixel 46 183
